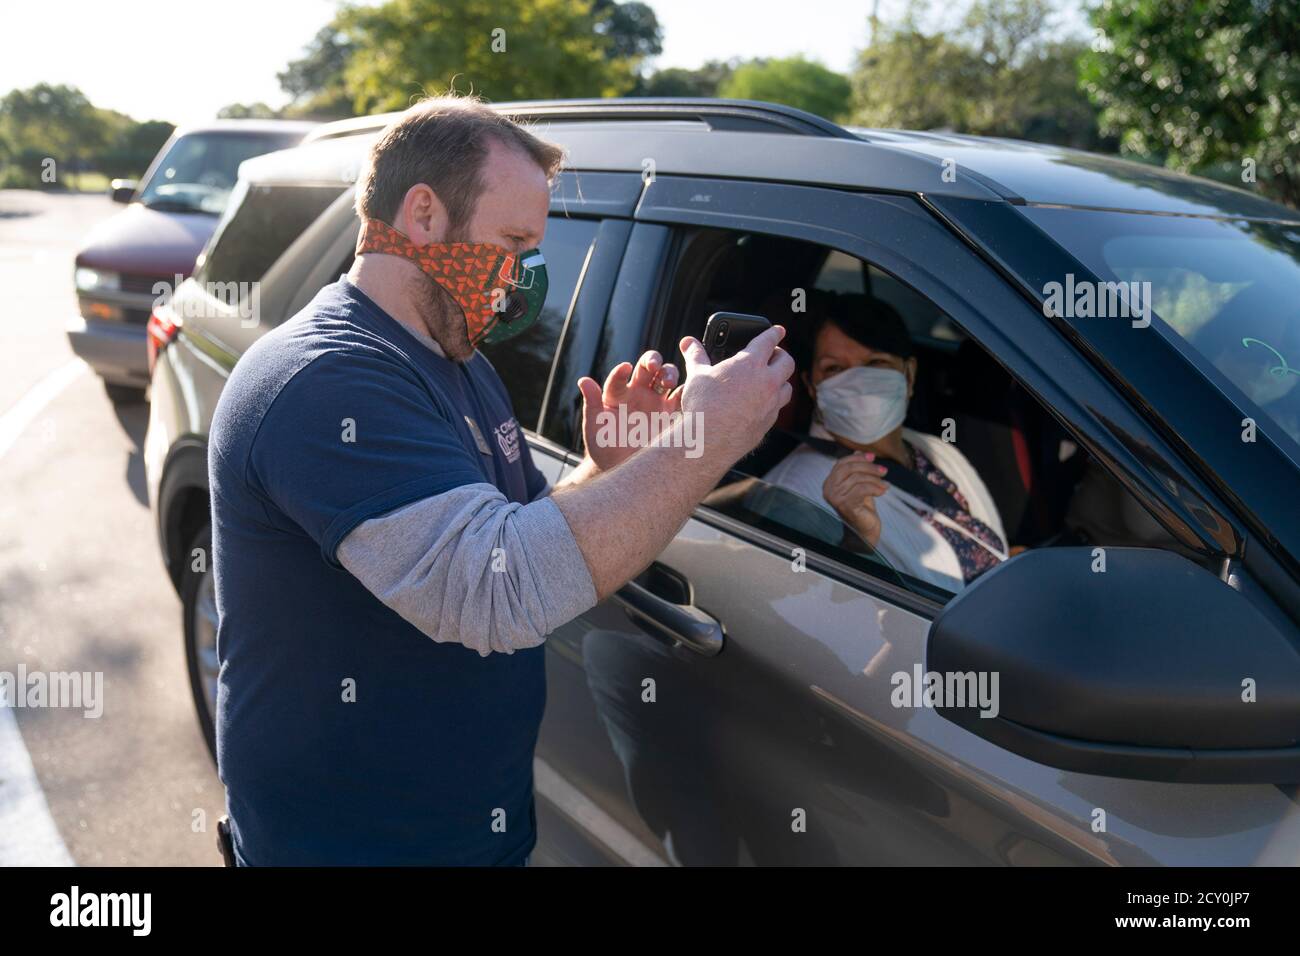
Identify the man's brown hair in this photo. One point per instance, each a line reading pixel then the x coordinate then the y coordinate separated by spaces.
pixel 443 142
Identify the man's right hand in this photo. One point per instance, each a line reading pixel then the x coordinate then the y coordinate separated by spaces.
pixel 623 518
pixel 738 399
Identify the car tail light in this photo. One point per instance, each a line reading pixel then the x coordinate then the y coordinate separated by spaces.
pixel 161 330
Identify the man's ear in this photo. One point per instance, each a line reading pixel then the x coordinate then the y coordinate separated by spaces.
pixel 422 217
pixel 910 366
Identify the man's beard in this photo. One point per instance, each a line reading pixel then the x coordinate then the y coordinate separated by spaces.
pixel 443 319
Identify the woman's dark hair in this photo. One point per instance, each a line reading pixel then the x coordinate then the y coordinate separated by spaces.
pixel 863 318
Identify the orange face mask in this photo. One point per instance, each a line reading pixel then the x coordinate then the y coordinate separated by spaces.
pixel 500 292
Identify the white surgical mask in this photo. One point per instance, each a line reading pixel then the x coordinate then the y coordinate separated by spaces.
pixel 863 404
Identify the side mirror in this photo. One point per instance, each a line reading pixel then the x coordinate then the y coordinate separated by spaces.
pixel 122 190
pixel 1152 669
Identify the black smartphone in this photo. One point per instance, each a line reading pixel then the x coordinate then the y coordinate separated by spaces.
pixel 728 332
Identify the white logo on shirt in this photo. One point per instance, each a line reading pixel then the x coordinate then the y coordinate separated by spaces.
pixel 508 438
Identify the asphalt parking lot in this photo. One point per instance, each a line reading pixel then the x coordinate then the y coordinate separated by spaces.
pixel 82 587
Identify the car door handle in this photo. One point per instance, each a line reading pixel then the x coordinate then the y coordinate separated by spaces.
pixel 683 624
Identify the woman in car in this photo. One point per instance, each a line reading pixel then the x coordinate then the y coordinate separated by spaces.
pixel 912 497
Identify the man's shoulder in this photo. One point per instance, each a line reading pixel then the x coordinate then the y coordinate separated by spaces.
pixel 332 324
pixel 325 349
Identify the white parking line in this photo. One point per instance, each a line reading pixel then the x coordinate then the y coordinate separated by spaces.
pixel 585 813
pixel 26 409
pixel 28 834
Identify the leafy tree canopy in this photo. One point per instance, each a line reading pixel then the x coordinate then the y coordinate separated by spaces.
pixel 1205 84
pixel 794 81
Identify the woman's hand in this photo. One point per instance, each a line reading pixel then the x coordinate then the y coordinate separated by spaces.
pixel 852 488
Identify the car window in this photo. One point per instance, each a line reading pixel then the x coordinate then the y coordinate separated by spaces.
pixel 982 471
pixel 803 523
pixel 524 362
pixel 199 170
pixel 721 270
pixel 1225 290
pixel 258 229
pixel 842 272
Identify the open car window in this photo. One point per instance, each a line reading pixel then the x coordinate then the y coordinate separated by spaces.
pixel 843 273
pixel 1019 474
pixel 805 524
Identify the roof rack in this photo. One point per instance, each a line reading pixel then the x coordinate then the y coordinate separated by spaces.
pixel 733 115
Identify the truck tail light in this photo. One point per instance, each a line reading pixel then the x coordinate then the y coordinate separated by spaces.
pixel 161 331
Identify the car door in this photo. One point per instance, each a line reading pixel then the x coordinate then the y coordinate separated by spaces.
pixel 785 744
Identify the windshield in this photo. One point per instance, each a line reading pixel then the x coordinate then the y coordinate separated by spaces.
pixel 1228 288
pixel 199 169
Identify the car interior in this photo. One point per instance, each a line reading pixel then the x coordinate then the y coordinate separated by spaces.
pixel 1048 489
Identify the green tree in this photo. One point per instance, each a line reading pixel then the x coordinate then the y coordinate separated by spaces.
pixel 131 146
pixel 320 86
pixel 1203 84
pixel 257 110
pixel 906 79
pixel 60 123
pixel 315 81
pixel 794 81
pixel 631 29
pixel 499 49
pixel 50 122
pixel 677 81
pixel 1000 72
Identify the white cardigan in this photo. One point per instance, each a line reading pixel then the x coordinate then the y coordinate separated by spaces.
pixel 908 541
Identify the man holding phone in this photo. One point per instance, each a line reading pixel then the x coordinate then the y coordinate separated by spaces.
pixel 728 332
pixel 388 559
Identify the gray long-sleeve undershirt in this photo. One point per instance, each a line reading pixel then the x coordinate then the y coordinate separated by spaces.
pixel 470 567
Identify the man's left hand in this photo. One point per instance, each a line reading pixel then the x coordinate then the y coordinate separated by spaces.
pixel 646 388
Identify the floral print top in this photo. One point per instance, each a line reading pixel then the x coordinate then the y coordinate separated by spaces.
pixel 974 559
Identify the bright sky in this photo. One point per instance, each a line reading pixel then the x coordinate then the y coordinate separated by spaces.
pixel 183 61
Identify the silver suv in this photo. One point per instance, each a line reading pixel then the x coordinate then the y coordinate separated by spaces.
pixel 771 691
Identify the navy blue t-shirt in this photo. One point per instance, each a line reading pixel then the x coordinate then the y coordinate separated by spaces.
pixel 344 735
